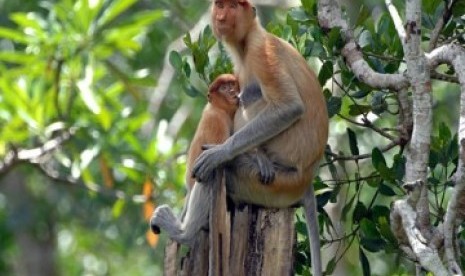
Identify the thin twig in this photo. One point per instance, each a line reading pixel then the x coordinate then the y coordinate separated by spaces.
pixel 440 24
pixel 443 77
pixel 336 157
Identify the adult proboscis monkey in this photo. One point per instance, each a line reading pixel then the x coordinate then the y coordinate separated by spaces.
pixel 283 111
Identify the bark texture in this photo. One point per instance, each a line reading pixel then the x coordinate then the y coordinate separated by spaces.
pixel 242 241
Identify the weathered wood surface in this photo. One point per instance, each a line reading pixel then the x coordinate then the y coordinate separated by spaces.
pixel 244 241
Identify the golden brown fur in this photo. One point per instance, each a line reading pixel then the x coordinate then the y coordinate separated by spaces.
pixel 284 76
pixel 216 123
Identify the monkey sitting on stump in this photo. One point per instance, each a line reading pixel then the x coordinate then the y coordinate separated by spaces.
pixel 289 120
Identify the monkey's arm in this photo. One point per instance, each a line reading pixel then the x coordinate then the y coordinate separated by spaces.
pixel 276 117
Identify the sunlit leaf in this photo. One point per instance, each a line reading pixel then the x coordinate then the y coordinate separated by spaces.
pixel 13 35
pixel 105 118
pixel 116 8
pixel 29 20
pixel 118 207
pixel 87 93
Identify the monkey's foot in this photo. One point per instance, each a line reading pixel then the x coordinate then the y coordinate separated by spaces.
pixel 164 218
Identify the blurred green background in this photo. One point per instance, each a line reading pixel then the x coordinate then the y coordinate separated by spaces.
pixel 95 123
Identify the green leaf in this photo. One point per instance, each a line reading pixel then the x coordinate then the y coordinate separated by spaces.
pixel 323 198
pixel 186 68
pixel 175 60
pixel 365 264
pixel 334 106
pixel 363 15
pixel 334 39
pixel 116 8
pixel 459 9
pixel 299 15
pixel 14 35
pixel 373 245
pixel 315 49
pixel 17 57
pixel 357 109
pixel 379 211
pixel 360 212
pixel 301 228
pixel 105 118
pixel 379 163
pixel 87 94
pixel 326 72
pixel 368 229
pixel 430 6
pixel 118 207
pixel 353 142
pixel 191 90
pixel 360 94
pixel 139 21
pixel 386 190
pixel 188 40
pixel 308 5
pixel 331 266
pixel 399 166
pixel 433 159
pixel 377 158
pixel 444 133
pixel 385 230
pixel 29 20
pixel 365 39
pixel 347 207
pixel 378 103
pixel 147 81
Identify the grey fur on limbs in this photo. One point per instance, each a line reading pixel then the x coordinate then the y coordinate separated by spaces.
pixel 196 217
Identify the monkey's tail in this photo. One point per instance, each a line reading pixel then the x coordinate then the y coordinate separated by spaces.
pixel 313 230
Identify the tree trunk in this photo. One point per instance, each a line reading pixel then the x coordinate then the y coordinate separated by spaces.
pixel 34 234
pixel 245 240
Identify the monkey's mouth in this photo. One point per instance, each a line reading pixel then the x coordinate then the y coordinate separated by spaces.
pixel 222 29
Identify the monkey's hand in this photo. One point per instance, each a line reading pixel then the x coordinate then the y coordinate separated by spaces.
pixel 265 168
pixel 211 158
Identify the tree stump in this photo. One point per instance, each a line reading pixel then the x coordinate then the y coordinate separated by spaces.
pixel 242 241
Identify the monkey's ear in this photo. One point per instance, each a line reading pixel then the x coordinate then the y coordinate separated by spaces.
pixel 254 11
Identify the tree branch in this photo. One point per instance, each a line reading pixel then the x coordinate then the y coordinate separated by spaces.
pixel 418 73
pixel 454 55
pixel 15 156
pixel 329 16
pixel 404 218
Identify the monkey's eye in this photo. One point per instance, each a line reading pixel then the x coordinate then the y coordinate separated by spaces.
pixel 223 88
pixel 219 4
